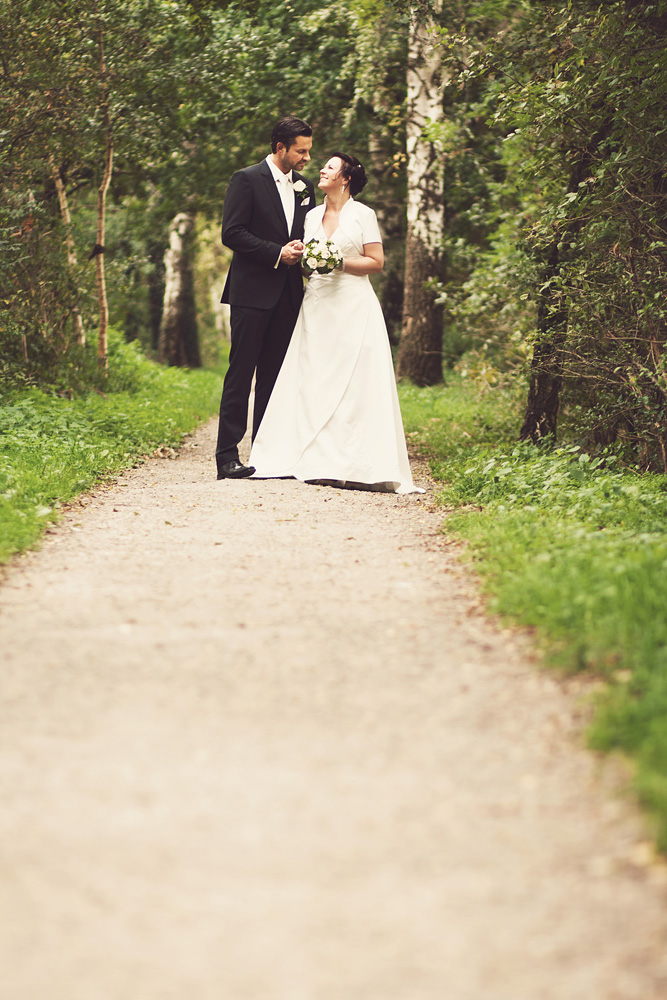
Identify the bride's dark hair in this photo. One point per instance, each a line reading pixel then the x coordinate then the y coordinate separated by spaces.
pixel 352 171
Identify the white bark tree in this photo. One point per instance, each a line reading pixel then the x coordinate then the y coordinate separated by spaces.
pixel 420 352
pixel 98 249
pixel 178 342
pixel 72 260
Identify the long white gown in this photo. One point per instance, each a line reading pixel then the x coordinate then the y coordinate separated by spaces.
pixel 334 414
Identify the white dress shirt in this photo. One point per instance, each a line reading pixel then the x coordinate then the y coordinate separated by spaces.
pixel 285 189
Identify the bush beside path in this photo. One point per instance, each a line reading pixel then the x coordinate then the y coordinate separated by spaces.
pixel 260 741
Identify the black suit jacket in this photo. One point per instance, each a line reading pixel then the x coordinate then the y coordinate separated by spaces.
pixel 255 228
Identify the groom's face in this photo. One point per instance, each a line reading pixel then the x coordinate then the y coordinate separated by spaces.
pixel 297 156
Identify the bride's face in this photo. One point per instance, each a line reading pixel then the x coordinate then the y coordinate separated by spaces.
pixel 331 178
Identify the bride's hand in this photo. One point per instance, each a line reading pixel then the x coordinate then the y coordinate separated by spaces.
pixel 292 252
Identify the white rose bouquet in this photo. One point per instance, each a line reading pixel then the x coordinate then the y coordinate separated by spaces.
pixel 321 257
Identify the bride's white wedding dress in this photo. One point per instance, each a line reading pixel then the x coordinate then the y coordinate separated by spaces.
pixel 334 412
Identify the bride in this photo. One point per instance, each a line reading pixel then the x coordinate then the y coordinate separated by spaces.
pixel 333 414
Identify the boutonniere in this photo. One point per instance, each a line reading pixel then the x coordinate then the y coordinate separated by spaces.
pixel 300 190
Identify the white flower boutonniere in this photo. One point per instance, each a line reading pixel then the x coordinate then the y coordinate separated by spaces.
pixel 300 190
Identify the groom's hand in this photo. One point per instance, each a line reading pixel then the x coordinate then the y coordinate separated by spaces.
pixel 292 252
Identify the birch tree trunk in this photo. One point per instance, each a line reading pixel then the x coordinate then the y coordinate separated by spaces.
pixel 72 261
pixel 98 249
pixel 178 342
pixel 420 351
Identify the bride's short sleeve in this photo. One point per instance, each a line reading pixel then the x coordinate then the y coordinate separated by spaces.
pixel 370 230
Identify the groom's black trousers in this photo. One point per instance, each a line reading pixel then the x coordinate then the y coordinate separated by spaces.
pixel 260 338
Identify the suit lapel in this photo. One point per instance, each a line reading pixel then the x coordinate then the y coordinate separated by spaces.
pixel 274 197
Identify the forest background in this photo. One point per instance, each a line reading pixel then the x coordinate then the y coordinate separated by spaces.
pixel 517 156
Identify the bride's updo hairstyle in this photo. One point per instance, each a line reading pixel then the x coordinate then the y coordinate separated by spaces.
pixel 352 171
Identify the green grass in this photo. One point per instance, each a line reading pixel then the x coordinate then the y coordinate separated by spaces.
pixel 575 548
pixel 52 449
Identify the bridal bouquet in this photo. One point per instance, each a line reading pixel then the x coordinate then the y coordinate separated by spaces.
pixel 321 257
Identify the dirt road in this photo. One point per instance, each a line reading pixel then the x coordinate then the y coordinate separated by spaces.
pixel 259 743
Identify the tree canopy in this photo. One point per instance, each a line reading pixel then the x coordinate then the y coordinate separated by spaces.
pixel 543 180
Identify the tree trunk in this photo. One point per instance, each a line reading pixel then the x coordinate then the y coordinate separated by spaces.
pixel 420 351
pixel 72 261
pixel 546 367
pixel 98 249
pixel 178 341
pixel 156 255
pixel 541 415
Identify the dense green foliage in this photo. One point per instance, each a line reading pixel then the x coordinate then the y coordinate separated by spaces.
pixel 52 449
pixel 562 254
pixel 574 548
pixel 191 89
pixel 552 142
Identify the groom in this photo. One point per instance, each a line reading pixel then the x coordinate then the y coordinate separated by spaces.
pixel 263 219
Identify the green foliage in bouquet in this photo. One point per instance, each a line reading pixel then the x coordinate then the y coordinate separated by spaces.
pixel 321 257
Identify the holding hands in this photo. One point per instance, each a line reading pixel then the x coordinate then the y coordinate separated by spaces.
pixel 292 252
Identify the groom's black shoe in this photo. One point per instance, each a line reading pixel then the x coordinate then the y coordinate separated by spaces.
pixel 234 470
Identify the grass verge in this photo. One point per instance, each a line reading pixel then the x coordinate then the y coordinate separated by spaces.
pixel 574 547
pixel 52 449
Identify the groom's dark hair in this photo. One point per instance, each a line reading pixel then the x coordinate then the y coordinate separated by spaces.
pixel 287 130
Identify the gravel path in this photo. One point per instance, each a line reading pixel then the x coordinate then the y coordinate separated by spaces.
pixel 259 743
